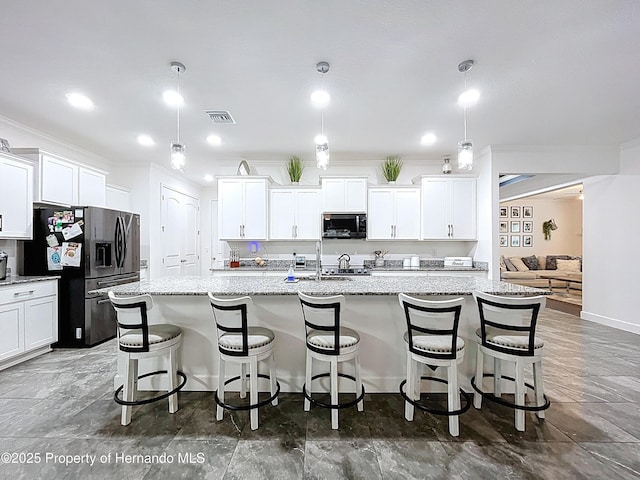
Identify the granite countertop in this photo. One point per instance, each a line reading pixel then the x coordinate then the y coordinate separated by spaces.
pixel 283 266
pixel 359 285
pixel 15 280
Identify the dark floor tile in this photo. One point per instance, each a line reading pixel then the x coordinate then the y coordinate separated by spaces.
pixel 583 422
pixel 414 459
pixel 266 460
pixel 342 459
pixel 622 458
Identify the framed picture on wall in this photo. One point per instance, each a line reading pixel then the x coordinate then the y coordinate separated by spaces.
pixel 515 240
pixel 504 240
pixel 504 212
pixel 527 240
pixel 527 227
pixel 515 212
pixel 527 212
pixel 515 227
pixel 504 227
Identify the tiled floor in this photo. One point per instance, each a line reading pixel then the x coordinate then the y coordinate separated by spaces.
pixel 60 405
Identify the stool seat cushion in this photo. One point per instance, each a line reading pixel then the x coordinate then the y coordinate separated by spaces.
pixel 321 339
pixel 434 343
pixel 511 341
pixel 256 337
pixel 157 334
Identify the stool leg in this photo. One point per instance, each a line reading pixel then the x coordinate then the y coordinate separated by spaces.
pixel 358 383
pixel 307 381
pixel 520 395
pixel 173 381
pixel 537 384
pixel 453 398
pixel 130 385
pixel 253 391
pixel 334 392
pixel 497 377
pixel 272 378
pixel 410 389
pixel 221 368
pixel 243 380
pixel 477 398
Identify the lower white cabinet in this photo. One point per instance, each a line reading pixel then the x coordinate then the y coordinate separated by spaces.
pixel 28 320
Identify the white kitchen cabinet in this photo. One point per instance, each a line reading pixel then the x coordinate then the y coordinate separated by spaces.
pixel 16 198
pixel 65 182
pixel 118 198
pixel 28 320
pixel 294 214
pixel 449 208
pixel 394 213
pixel 242 208
pixel 344 194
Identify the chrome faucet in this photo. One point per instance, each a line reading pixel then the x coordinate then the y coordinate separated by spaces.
pixel 318 261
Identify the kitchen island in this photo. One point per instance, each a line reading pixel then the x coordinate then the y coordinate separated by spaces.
pixel 372 310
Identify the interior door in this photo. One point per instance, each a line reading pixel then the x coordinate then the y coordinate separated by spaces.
pixel 191 236
pixel 180 233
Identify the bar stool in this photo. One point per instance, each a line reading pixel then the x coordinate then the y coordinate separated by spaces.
pixel 138 340
pixel 508 333
pixel 241 344
pixel 432 340
pixel 330 342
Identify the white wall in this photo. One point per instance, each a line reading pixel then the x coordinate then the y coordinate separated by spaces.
pixel 611 259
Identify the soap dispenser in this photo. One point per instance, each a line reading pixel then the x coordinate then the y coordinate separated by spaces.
pixel 291 277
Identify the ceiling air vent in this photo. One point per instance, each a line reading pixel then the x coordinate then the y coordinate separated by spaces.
pixel 220 116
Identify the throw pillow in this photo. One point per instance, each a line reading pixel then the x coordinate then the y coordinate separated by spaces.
pixel 502 264
pixel 542 262
pixel 519 264
pixel 510 266
pixel 552 259
pixel 572 266
pixel 577 258
pixel 531 262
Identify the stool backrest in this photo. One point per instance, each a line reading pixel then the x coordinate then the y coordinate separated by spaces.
pixel 231 316
pixel 131 316
pixel 509 315
pixel 432 317
pixel 322 313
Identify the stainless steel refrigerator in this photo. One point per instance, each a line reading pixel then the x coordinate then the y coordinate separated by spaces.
pixel 89 248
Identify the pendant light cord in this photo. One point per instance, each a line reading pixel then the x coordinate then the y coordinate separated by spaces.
pixel 178 105
pixel 464 108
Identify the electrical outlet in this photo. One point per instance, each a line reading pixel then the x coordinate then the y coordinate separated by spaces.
pixel 79 333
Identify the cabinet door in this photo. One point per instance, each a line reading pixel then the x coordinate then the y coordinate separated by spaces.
pixel 435 205
pixel 463 208
pixel 230 208
pixel 11 329
pixel 333 195
pixel 307 215
pixel 16 199
pixel 407 214
pixel 355 194
pixel 180 233
pixel 255 210
pixel 40 322
pixel 59 181
pixel 91 188
pixel 281 215
pixel 380 218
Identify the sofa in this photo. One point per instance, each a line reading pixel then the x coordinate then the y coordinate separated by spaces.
pixel 528 271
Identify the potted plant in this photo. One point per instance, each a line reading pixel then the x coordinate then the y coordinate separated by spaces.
pixel 295 167
pixel 391 168
pixel 547 227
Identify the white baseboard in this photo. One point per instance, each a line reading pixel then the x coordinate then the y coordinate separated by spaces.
pixel 611 322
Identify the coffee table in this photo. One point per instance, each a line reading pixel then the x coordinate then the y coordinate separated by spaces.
pixel 562 278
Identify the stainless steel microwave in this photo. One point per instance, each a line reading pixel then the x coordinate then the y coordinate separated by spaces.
pixel 344 225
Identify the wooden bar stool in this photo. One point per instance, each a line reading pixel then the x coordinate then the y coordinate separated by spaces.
pixel 241 344
pixel 138 340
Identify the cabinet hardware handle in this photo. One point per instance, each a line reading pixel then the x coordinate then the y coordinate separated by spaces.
pixel 451 230
pixel 183 261
pixel 23 294
pixel 391 231
pixel 114 282
pixel 105 300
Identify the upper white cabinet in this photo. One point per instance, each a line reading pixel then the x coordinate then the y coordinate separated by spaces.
pixel 344 194
pixel 394 213
pixel 64 182
pixel 294 214
pixel 16 197
pixel 242 208
pixel 449 208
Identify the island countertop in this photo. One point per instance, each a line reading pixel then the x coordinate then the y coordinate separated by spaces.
pixel 357 285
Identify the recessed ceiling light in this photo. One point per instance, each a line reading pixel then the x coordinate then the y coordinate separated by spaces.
pixel 428 139
pixel 320 98
pixel 80 101
pixel 172 98
pixel 146 140
pixel 208 178
pixel 469 97
pixel 214 140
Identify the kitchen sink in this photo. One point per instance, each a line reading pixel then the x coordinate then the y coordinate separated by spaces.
pixel 323 278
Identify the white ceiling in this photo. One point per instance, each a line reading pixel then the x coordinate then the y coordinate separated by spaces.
pixel 550 72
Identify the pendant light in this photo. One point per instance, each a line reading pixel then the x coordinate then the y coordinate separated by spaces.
pixel 465 147
pixel 321 141
pixel 446 166
pixel 178 149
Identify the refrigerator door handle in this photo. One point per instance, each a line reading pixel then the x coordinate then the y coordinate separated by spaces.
pixel 119 243
pixel 125 234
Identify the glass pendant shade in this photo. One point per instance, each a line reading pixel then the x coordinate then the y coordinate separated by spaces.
pixel 178 156
pixel 465 155
pixel 446 166
pixel 322 153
